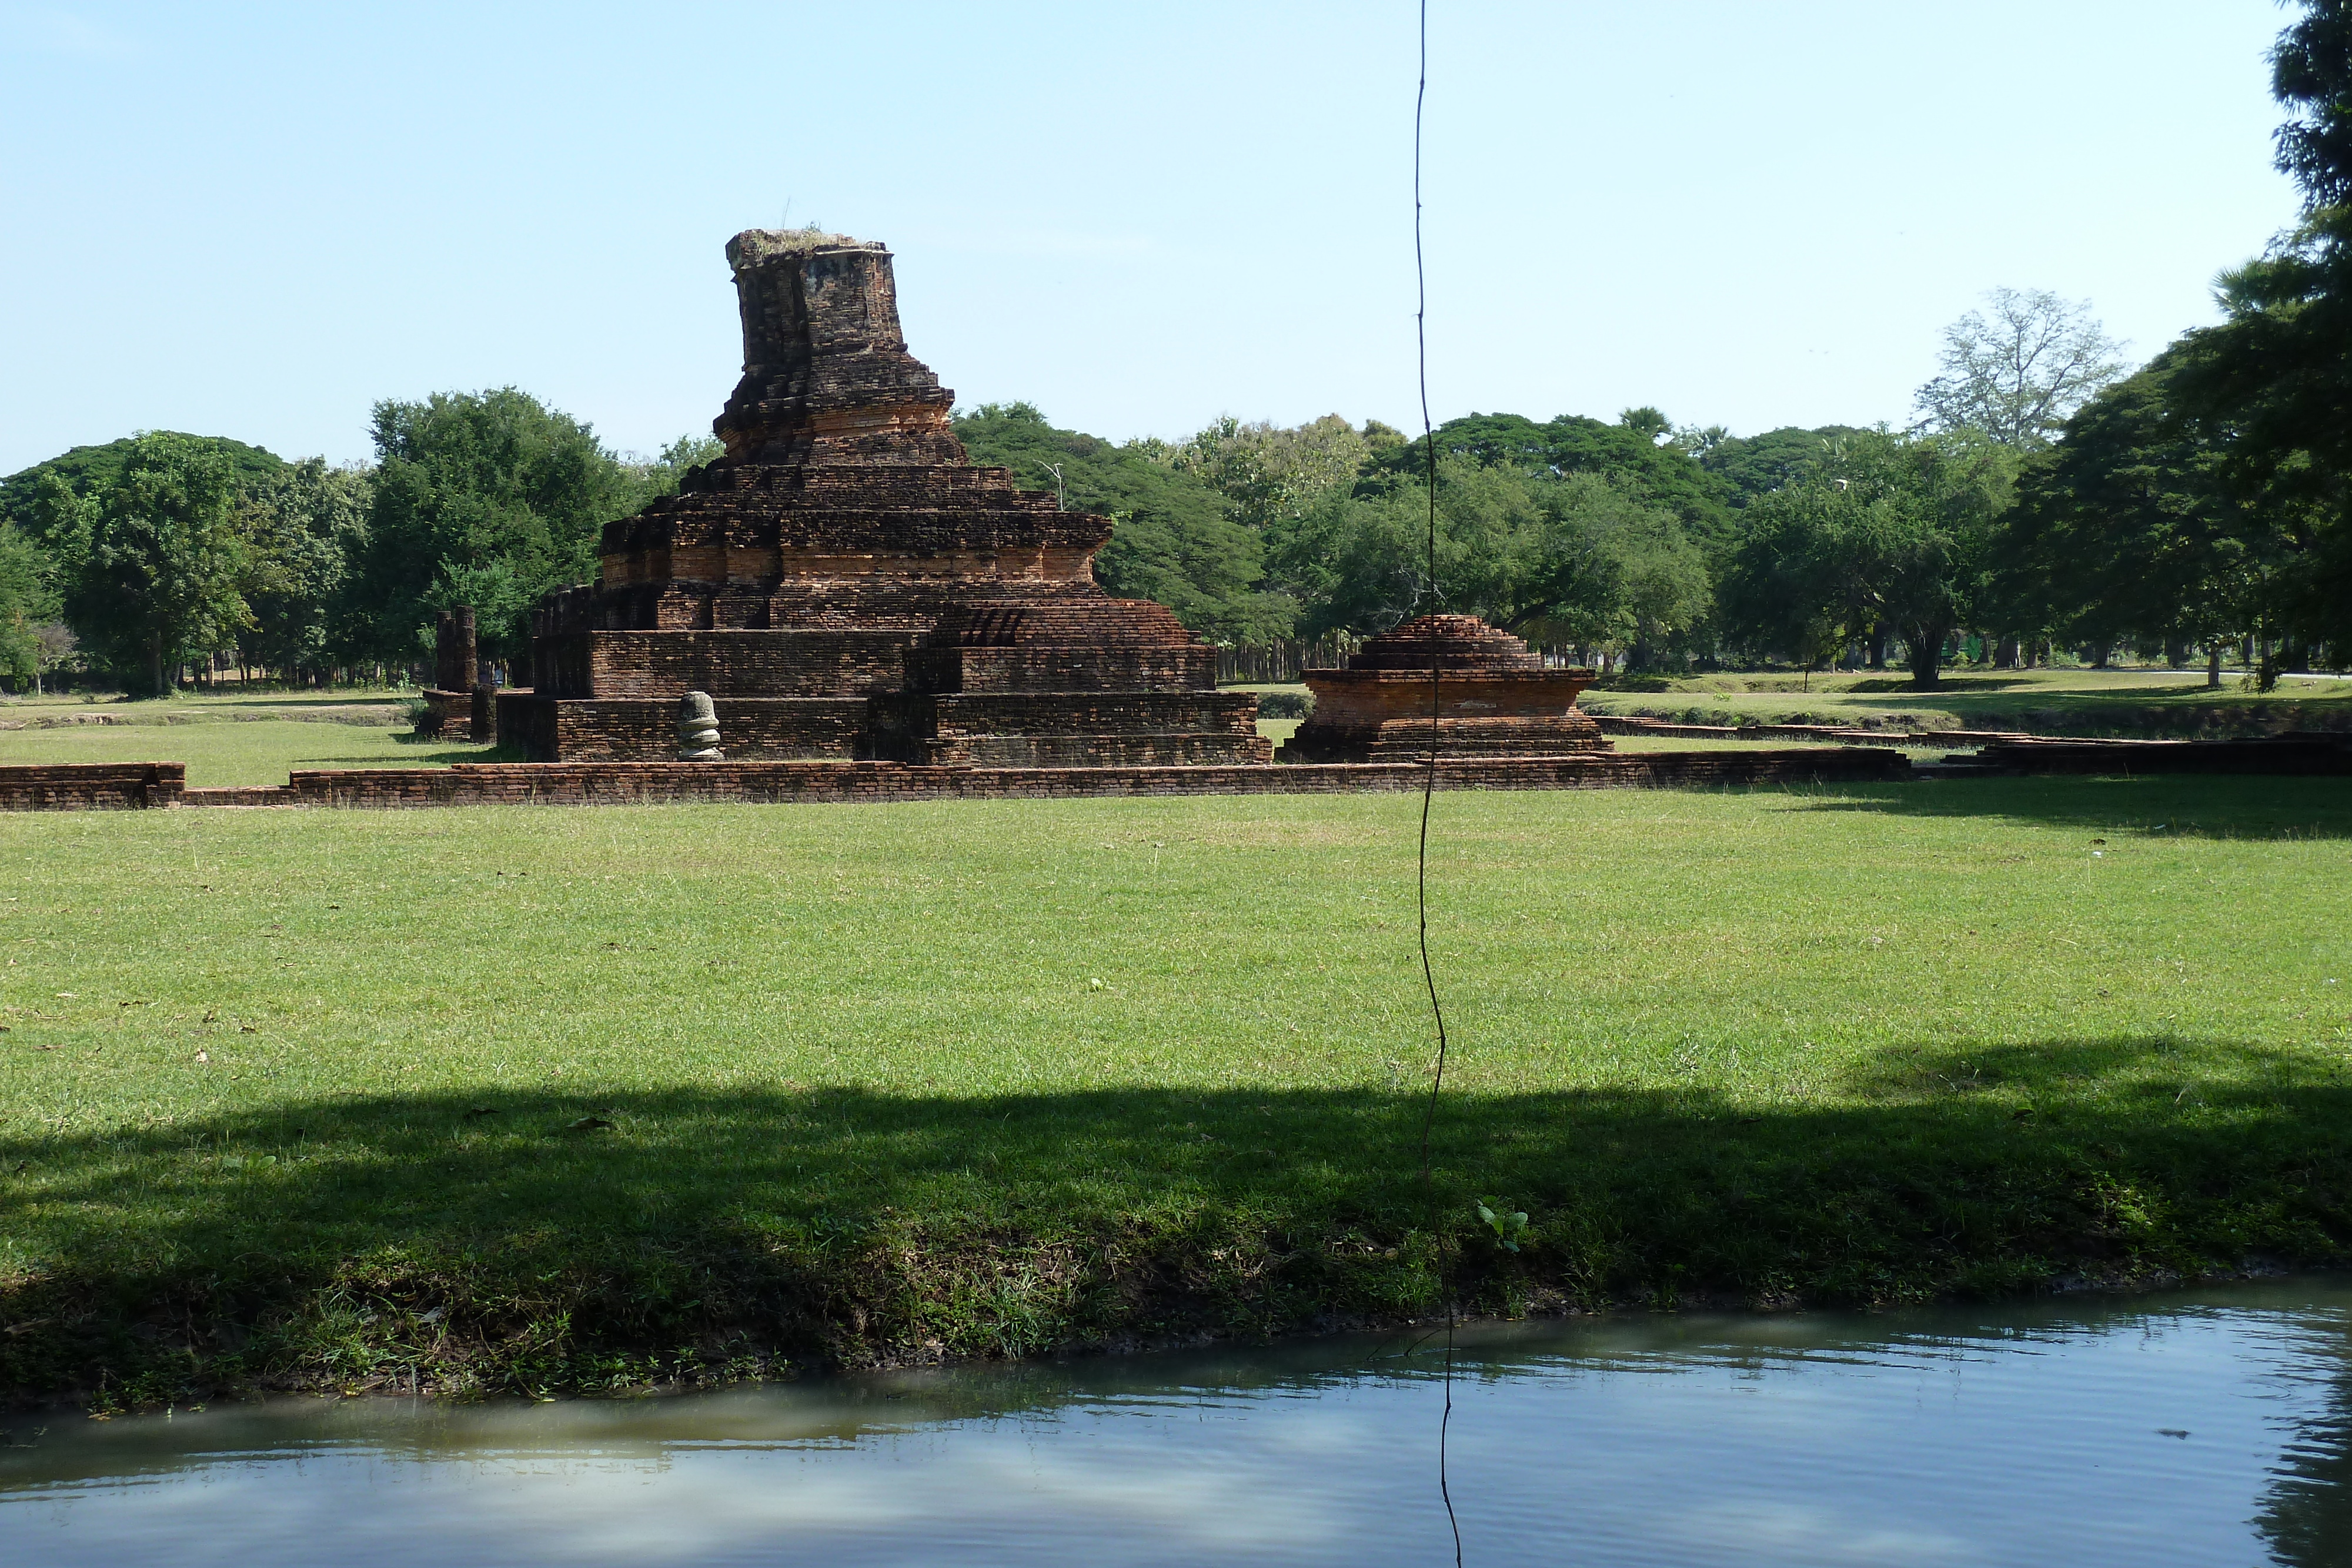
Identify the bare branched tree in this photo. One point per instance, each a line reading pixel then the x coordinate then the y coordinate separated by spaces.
pixel 2017 368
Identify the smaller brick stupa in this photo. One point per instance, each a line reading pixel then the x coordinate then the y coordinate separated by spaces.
pixel 1495 698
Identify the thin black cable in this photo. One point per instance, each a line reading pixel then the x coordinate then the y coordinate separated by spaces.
pixel 1429 787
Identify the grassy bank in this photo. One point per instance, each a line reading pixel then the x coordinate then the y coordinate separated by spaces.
pixel 557 1099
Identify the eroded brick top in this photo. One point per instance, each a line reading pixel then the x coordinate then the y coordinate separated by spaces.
pixel 1450 642
pixel 844 499
pixel 826 374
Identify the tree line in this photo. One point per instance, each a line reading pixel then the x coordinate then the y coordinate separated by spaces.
pixel 129 562
pixel 2046 498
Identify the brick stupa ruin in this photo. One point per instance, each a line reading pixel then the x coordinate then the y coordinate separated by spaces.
pixel 844 583
pixel 1495 698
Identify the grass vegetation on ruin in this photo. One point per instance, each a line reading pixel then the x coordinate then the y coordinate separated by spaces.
pixel 556 1099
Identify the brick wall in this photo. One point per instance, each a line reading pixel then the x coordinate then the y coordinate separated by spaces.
pixel 578 784
pixel 1034 668
pixel 728 664
pixel 1068 729
pixel 646 729
pixel 91 786
pixel 84 786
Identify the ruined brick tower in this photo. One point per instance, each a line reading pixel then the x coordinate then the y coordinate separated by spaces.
pixel 845 585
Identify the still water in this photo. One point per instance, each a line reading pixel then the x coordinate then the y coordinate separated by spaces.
pixel 2210 1428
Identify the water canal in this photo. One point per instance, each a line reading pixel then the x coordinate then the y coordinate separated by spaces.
pixel 2205 1428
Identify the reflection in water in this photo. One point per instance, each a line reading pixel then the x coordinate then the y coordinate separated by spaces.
pixel 2306 1515
pixel 2190 1429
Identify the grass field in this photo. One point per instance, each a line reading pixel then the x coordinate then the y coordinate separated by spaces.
pixel 227 740
pixel 2065 700
pixel 567 1099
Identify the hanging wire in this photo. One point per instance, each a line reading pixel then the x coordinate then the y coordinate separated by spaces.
pixel 1429 791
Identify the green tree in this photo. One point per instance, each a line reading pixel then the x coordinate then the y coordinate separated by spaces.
pixel 1662 474
pixel 2131 525
pixel 1580 560
pixel 2018 369
pixel 155 560
pixel 1650 423
pixel 1888 531
pixel 307 526
pixel 87 470
pixel 2311 73
pixel 665 473
pixel 2275 379
pixel 1757 465
pixel 1266 472
pixel 29 603
pixel 473 482
pixel 1171 541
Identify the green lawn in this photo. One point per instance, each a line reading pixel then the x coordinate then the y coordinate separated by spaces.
pixel 228 740
pixel 321 1098
pixel 2070 702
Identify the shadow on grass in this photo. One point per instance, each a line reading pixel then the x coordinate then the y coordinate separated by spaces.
pixel 414 745
pixel 198 704
pixel 543 1234
pixel 289 700
pixel 2176 712
pixel 1949 685
pixel 2152 807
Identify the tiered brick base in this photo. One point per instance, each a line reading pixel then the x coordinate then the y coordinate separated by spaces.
pixel 1492 698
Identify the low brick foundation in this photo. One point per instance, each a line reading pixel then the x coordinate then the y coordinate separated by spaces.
pixel 134 785
pixel 241 795
pixel 618 783
pixel 91 786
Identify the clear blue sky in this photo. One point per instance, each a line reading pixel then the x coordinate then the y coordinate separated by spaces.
pixel 257 220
